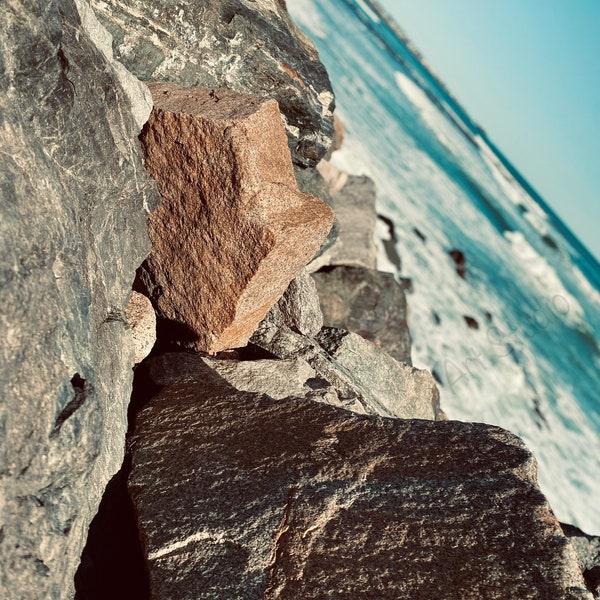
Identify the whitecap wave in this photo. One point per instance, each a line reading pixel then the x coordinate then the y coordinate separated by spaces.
pixel 547 282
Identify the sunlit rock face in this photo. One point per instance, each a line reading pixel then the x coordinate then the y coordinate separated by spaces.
pixel 249 46
pixel 74 197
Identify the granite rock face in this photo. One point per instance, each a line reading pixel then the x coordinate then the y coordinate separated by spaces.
pixel 587 548
pixel 74 199
pixel 353 201
pixel 232 229
pixel 141 321
pixel 299 307
pixel 366 380
pixel 241 496
pixel 249 46
pixel 395 389
pixel 367 302
pixel 276 378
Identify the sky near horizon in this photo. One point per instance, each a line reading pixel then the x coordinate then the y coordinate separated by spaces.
pixel 528 72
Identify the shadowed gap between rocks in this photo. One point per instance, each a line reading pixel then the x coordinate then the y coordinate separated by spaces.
pixel 113 563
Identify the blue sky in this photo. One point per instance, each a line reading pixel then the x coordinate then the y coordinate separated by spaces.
pixel 528 71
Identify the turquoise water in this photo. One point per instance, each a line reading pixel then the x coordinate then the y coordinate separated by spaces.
pixel 532 365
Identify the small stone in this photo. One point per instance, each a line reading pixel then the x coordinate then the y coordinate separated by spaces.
pixel 141 320
pixel 232 229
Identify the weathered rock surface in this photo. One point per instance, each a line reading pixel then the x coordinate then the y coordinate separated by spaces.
pixel 241 496
pixel 299 308
pixel 141 321
pixel 366 380
pixel 367 302
pixel 74 198
pixel 248 46
pixel 395 389
pixel 353 201
pixel 276 378
pixel 232 229
pixel 310 181
pixel 587 548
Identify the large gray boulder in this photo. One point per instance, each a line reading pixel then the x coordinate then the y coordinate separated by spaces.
pixel 74 197
pixel 249 46
pixel 241 496
pixel 367 302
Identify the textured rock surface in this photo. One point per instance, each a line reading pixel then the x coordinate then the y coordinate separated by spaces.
pixel 247 45
pixel 366 380
pixel 232 229
pixel 239 496
pixel 310 181
pixel 396 389
pixel 367 302
pixel 353 201
pixel 300 308
pixel 587 548
pixel 141 321
pixel 73 193
pixel 275 378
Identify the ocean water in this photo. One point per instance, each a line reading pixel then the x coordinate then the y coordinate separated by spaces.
pixel 528 356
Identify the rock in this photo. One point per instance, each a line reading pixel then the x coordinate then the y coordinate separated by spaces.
pixel 141 320
pixel 300 306
pixel 275 378
pixel 241 496
pixel 394 388
pixel 310 181
pixel 250 47
pixel 587 548
pixel 232 229
pixel 354 207
pixel 460 261
pixel 352 366
pixel 74 198
pixel 388 240
pixel 471 322
pixel 367 302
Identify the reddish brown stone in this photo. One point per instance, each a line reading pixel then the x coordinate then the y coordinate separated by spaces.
pixel 232 230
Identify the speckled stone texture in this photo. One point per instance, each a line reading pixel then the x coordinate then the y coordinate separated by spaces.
pixel 232 229
pixel 250 46
pixel 74 198
pixel 367 302
pixel 241 496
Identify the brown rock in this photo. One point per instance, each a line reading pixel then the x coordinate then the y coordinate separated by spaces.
pixel 141 321
pixel 241 496
pixel 232 230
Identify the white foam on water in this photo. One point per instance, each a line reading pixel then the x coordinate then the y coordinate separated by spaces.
pixel 547 282
pixel 305 14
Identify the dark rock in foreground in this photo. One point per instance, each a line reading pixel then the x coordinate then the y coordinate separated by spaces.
pixel 367 302
pixel 240 496
pixel 250 47
pixel 74 198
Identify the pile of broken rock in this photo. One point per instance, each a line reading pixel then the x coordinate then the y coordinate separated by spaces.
pixel 288 448
pixel 282 444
